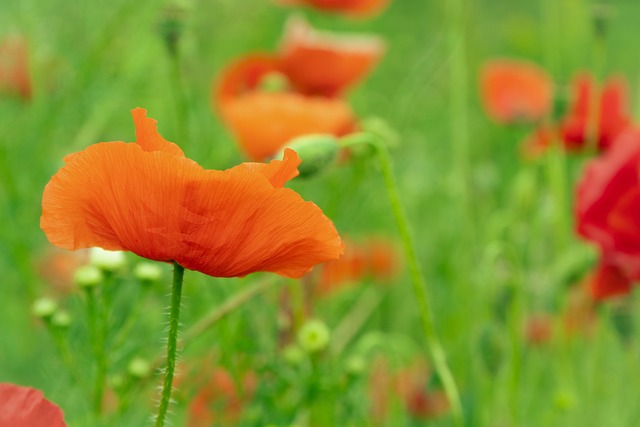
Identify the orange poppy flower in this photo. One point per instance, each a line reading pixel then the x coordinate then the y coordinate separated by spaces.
pixel 27 407
pixel 264 122
pixel 220 401
pixel 148 198
pixel 245 75
pixel 539 329
pixel 323 63
pixel 375 257
pixel 515 91
pixel 347 7
pixel 14 67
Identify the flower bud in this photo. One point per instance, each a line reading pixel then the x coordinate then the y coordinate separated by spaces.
pixel 44 308
pixel 172 23
pixel 355 365
pixel 147 272
pixel 314 336
pixel 293 354
pixel 107 260
pixel 318 153
pixel 88 276
pixel 61 319
pixel 274 82
pixel 139 368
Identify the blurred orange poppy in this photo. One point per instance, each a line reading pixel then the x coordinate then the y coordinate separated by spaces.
pixel 220 401
pixel 515 91
pixel 608 118
pixel 264 122
pixel 148 198
pixel 325 63
pixel 14 67
pixel 347 7
pixel 538 328
pixel 374 257
pixel 27 407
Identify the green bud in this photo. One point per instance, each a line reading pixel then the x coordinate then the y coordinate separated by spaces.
pixel 61 319
pixel 274 82
pixel 318 153
pixel 107 260
pixel 314 336
pixel 139 368
pixel 564 400
pixel 355 365
pixel 147 271
pixel 293 354
pixel 44 308
pixel 88 276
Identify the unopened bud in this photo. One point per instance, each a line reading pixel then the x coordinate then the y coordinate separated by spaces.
pixel 88 276
pixel 139 368
pixel 293 354
pixel 318 153
pixel 147 272
pixel 274 82
pixel 355 365
pixel 172 24
pixel 314 336
pixel 107 260
pixel 61 319
pixel 44 308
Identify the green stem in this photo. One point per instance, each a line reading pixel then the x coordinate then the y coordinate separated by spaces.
pixel 417 280
pixel 172 343
pixel 97 338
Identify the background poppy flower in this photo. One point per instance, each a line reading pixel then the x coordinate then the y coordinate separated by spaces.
pixel 347 7
pixel 14 67
pixel 611 113
pixel 515 91
pixel 245 75
pixel 147 198
pixel 608 280
pixel 324 63
pixel 264 122
pixel 221 401
pixel 27 407
pixel 607 201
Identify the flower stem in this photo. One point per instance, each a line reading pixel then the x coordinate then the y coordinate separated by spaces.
pixel 417 280
pixel 97 338
pixel 172 343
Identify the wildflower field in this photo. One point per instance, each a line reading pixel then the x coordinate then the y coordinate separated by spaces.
pixel 317 213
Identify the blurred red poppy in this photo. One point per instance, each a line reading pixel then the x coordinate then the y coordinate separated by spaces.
pixel 326 63
pixel 347 7
pixel 412 387
pixel 148 198
pixel 263 121
pixel 607 206
pixel 538 329
pixel 515 91
pixel 27 407
pixel 14 67
pixel 579 313
pixel 221 400
pixel 608 280
pixel 595 115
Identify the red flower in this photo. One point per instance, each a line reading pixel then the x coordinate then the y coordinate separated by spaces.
pixel 610 113
pixel 607 206
pixel 515 91
pixel 325 63
pixel 607 281
pixel 148 198
pixel 27 407
pixel 14 67
pixel 347 7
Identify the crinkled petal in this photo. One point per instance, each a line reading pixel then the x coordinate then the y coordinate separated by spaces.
pixel 27 407
pixel 147 135
pixel 278 172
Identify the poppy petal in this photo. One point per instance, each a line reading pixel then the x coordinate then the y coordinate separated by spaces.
pixel 278 172
pixel 323 63
pixel 147 135
pixel 27 407
pixel 244 75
